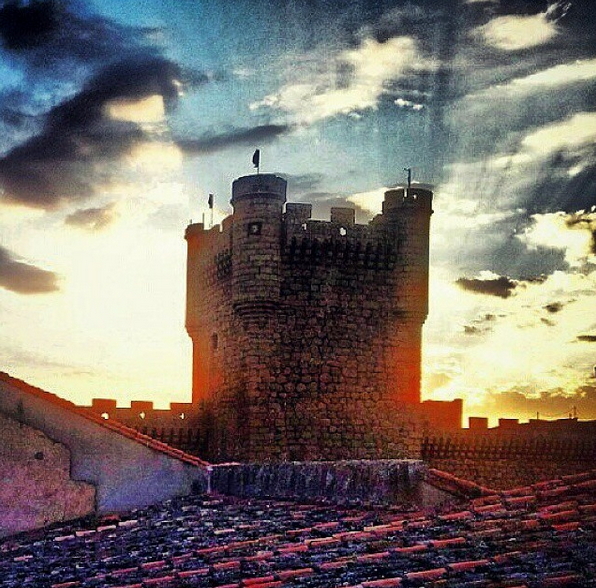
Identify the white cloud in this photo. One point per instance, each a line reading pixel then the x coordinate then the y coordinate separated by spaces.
pixel 581 70
pixel 514 32
pixel 402 103
pixel 370 66
pixel 574 135
pixel 149 157
pixel 569 134
pixel 371 201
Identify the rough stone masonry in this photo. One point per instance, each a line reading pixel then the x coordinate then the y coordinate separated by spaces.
pixel 307 334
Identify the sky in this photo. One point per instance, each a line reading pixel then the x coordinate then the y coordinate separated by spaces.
pixel 118 118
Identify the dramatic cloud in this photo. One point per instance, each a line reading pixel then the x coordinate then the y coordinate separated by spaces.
pixel 52 37
pixel 25 26
pixel 471 330
pixel 371 201
pixel 500 286
pixel 300 183
pixel 81 140
pixel 93 219
pixel 251 137
pixel 24 278
pixel 353 81
pixel 574 234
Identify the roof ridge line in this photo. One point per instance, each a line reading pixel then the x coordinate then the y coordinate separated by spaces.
pixel 113 425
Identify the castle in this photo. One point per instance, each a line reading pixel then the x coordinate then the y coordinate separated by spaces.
pixel 306 333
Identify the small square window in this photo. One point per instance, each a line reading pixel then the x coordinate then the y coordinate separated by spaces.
pixel 254 228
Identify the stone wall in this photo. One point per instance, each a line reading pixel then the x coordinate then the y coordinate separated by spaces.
pixel 508 461
pixel 370 482
pixel 36 488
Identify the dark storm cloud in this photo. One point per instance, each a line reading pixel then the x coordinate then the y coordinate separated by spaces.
pixel 23 26
pixel 481 324
pixel 587 338
pixel 92 219
pixel 557 189
pixel 24 278
pixel 502 286
pixel 45 33
pixel 554 307
pixel 249 136
pixel 471 330
pixel 585 221
pixel 64 161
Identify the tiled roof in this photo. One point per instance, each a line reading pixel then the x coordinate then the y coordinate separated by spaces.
pixel 110 424
pixel 542 535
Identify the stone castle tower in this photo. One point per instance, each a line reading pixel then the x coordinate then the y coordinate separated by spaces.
pixel 307 334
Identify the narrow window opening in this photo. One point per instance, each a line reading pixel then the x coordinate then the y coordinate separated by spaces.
pixel 105 416
pixel 342 231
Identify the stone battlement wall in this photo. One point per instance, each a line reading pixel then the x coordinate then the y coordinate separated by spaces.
pixel 506 460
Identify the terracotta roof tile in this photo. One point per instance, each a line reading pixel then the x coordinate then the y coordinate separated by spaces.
pixel 192 573
pixel 457 486
pixel 291 574
pixel 563 580
pixel 433 574
pixel 382 583
pixel 464 566
pixel 259 580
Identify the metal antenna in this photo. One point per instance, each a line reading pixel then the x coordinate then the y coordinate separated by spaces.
pixel 409 170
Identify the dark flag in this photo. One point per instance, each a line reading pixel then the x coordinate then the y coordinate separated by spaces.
pixel 210 201
pixel 256 158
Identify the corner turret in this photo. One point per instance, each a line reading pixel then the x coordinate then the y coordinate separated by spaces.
pixel 258 202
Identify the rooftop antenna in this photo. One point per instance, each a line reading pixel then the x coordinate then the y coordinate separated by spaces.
pixel 256 160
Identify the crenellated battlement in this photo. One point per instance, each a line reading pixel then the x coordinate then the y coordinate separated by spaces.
pixel 340 252
pixel 214 238
pixel 339 240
